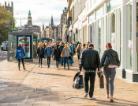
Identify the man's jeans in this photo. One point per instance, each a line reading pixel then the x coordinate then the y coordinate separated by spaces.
pixel 89 75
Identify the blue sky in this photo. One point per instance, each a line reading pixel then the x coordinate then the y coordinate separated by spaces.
pixel 41 10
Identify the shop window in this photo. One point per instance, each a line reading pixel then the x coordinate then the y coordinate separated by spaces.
pixel 129 35
pixel 113 23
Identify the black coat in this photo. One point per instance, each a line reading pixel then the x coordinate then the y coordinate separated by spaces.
pixel 112 58
pixel 57 53
pixel 90 59
pixel 40 52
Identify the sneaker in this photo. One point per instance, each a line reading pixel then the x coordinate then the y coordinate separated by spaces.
pixel 86 95
pixel 111 100
pixel 93 98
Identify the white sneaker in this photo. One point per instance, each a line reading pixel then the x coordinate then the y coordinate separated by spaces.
pixel 93 98
pixel 86 95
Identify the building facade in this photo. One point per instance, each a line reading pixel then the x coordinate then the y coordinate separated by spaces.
pixel 63 26
pixel 30 28
pixel 79 21
pixel 50 31
pixel 115 21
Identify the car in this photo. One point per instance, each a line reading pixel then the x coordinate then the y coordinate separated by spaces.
pixel 4 45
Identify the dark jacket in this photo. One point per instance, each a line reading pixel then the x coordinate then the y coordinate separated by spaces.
pixel 20 54
pixel 112 58
pixel 90 59
pixel 57 53
pixel 48 51
pixel 40 52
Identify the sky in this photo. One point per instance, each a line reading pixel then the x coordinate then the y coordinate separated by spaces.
pixel 41 10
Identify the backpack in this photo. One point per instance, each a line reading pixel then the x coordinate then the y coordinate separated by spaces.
pixel 78 81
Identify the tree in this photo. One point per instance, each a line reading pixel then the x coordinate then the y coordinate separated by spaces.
pixel 6 21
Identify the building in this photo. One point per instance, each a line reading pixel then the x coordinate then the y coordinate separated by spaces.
pixel 50 31
pixel 115 21
pixel 71 35
pixel 79 25
pixel 29 28
pixel 63 26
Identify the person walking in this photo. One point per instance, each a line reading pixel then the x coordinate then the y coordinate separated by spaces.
pixel 20 54
pixel 110 62
pixel 90 62
pixel 48 54
pixel 40 53
pixel 84 48
pixel 65 54
pixel 78 50
pixel 57 55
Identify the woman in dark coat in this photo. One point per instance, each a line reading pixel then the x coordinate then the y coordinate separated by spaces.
pixel 57 55
pixel 40 53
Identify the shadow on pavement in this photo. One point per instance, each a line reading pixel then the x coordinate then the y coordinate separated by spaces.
pixel 51 74
pixel 12 92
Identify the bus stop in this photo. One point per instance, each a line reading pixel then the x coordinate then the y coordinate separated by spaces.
pixel 28 42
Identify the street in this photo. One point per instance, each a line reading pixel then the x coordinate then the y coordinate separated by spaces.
pixel 3 55
pixel 53 87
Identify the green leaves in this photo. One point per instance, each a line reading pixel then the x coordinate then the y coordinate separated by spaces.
pixel 6 21
pixel 5 17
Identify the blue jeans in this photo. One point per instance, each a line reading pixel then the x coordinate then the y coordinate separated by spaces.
pixel 66 61
pixel 110 76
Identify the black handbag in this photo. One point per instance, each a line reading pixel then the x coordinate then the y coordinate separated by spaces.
pixel 106 61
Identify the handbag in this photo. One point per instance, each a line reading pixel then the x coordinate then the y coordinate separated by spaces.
pixel 106 61
pixel 101 79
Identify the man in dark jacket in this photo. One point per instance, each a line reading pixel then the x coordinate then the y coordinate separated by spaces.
pixel 90 62
pixel 20 54
pixel 40 53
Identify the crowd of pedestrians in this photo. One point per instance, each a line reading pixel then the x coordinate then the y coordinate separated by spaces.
pixel 89 62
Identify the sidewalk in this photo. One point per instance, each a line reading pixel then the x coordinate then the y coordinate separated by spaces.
pixel 53 87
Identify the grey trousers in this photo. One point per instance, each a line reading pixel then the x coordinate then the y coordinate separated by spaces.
pixel 110 76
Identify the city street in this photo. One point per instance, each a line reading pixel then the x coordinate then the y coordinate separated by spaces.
pixel 53 87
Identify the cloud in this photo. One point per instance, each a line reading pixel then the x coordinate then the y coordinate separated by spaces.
pixel 41 10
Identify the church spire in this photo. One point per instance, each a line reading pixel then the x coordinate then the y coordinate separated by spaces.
pixel 52 21
pixel 29 18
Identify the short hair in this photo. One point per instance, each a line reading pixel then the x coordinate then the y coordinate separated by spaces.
pixel 109 45
pixel 84 45
pixel 91 45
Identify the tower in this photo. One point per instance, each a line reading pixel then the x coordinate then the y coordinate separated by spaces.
pixel 29 19
pixel 52 22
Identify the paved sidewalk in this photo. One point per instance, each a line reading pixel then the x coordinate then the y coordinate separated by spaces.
pixel 53 87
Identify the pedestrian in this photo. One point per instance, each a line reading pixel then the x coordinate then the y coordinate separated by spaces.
pixel 61 46
pixel 48 53
pixel 57 55
pixel 78 50
pixel 65 54
pixel 110 62
pixel 20 54
pixel 40 53
pixel 71 48
pixel 84 48
pixel 90 62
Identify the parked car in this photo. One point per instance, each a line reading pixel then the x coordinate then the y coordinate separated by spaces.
pixel 4 45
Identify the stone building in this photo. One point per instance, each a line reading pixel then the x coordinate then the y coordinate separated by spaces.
pixel 115 21
pixel 50 31
pixel 30 28
pixel 63 25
